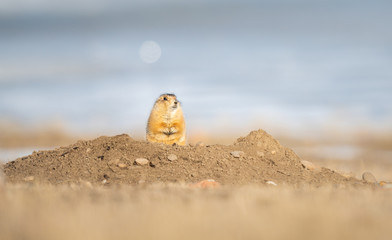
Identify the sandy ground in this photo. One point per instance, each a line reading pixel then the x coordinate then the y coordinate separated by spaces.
pixel 53 195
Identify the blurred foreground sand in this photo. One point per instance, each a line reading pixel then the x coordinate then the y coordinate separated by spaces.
pixel 176 211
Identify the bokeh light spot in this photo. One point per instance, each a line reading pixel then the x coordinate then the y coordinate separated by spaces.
pixel 150 52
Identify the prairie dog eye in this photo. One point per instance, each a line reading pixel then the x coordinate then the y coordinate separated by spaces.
pixel 165 98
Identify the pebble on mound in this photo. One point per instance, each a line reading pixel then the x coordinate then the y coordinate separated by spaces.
pixel 256 158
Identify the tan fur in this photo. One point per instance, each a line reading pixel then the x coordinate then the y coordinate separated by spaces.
pixel 166 123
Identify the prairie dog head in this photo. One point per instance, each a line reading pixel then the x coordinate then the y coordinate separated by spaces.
pixel 168 101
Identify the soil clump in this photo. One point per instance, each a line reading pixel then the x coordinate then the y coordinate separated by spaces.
pixel 255 159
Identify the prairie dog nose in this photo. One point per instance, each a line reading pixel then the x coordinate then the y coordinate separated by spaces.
pixel 175 102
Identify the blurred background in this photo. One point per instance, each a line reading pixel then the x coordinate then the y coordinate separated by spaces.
pixel 315 74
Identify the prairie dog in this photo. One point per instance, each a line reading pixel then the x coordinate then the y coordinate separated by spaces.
pixel 166 123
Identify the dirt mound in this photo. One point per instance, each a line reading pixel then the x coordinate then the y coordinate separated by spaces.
pixel 256 158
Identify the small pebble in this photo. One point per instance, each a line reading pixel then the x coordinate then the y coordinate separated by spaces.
pixel 172 157
pixel 122 165
pixel 153 164
pixel 88 150
pixel 141 181
pixel 273 152
pixel 237 154
pixel 271 183
pixel 368 177
pixel 141 161
pixel 208 183
pixel 309 165
pixel 29 178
